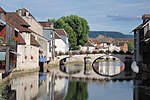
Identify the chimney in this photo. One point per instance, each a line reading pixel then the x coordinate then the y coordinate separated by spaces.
pixel 146 17
pixel 19 11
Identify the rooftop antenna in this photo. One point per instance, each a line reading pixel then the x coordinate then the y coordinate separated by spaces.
pixel 22 3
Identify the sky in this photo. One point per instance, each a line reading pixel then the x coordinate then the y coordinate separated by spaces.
pixel 102 15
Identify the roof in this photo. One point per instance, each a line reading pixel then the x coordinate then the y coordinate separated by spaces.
pixel 146 16
pixel 56 36
pixel 21 40
pixel 104 39
pixel 2 10
pixel 141 25
pixel 61 32
pixel 46 24
pixel 14 17
pixel 89 44
pixel 33 41
pixel 23 12
pixel 19 27
pixel 94 40
pixel 123 39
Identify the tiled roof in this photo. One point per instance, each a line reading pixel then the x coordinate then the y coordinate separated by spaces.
pixel 33 41
pixel 94 40
pixel 17 26
pixel 21 40
pixel 46 24
pixel 56 36
pixel 146 16
pixel 89 44
pixel 123 39
pixel 61 32
pixel 14 17
pixel 1 10
pixel 104 39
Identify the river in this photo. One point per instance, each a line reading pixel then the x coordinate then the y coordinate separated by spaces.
pixel 45 86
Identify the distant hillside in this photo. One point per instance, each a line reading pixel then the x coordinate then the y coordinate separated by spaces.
pixel 113 34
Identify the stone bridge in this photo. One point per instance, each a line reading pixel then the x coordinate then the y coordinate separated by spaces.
pixel 122 57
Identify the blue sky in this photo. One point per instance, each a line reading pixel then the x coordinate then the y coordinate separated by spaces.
pixel 102 15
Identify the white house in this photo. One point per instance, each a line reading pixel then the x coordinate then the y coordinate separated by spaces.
pixel 60 44
pixel 37 29
pixel 61 40
pixel 27 46
pixel 89 46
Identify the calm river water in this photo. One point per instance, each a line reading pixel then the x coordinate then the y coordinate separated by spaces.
pixel 48 87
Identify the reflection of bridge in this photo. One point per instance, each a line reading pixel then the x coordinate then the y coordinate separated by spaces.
pixel 93 57
pixel 92 75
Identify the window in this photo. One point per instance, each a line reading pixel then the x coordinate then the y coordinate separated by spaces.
pixel 16 34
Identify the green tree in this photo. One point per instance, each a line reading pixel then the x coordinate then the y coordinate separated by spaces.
pixel 130 46
pixel 76 27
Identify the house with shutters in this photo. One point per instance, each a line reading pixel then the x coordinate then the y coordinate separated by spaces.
pixel 8 44
pixel 27 46
pixel 37 31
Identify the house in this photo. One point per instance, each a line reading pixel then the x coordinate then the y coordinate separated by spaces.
pixel 48 33
pixel 8 44
pixel 59 44
pixel 37 28
pixel 27 46
pixel 122 46
pixel 64 45
pixel 142 44
pixel 89 46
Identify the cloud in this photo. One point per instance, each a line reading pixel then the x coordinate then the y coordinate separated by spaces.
pixel 123 18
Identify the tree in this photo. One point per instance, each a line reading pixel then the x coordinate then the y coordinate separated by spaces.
pixel 130 46
pixel 76 27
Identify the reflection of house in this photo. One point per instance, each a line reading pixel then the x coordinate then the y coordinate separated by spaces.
pixel 8 35
pixel 27 46
pixel 26 86
pixel 142 44
pixel 61 40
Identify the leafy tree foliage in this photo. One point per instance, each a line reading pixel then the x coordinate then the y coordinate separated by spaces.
pixel 130 46
pixel 76 27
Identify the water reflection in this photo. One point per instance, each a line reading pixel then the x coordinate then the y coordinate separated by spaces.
pixel 108 66
pixel 46 86
pixel 77 91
